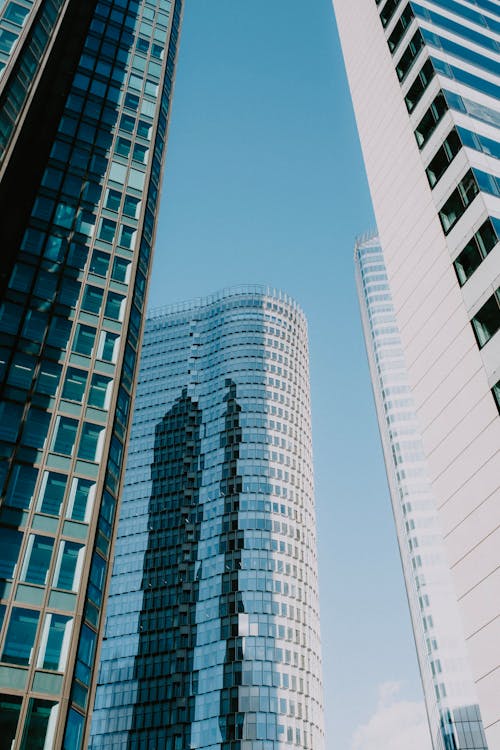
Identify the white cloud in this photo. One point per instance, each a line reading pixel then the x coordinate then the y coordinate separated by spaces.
pixel 396 724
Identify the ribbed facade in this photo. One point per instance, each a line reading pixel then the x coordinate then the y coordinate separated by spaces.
pixel 85 90
pixel 450 694
pixel 425 84
pixel 212 633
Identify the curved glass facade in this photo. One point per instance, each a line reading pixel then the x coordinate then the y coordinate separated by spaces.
pixel 212 635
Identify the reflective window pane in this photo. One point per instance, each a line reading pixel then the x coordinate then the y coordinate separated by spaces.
pixel 91 442
pixel 74 384
pixel 18 647
pixel 100 391
pixel 37 559
pixel 64 437
pixel 10 544
pixel 69 566
pixel 51 493
pixel 40 725
pixel 81 500
pixel 21 486
pixel 10 707
pixel 55 642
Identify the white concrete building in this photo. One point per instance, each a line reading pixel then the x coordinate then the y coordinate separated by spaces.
pixel 425 83
pixel 449 691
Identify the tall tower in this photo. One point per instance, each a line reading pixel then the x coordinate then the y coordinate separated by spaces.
pixel 212 634
pixel 450 694
pixel 85 90
pixel 425 83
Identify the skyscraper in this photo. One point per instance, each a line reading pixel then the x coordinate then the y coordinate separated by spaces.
pixel 425 83
pixel 450 694
pixel 85 89
pixel 212 633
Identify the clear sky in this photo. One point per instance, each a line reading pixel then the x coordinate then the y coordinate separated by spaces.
pixel 265 183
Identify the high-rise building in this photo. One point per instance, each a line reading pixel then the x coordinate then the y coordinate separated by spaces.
pixel 212 632
pixel 450 693
pixel 85 90
pixel 425 83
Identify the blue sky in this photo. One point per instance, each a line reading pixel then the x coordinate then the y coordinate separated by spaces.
pixel 265 183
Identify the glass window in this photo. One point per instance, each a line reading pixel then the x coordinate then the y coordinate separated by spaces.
pixel 92 299
pixel 37 559
pixel 131 206
pixel 69 566
pixel 121 270
pixel 81 500
pixel 10 708
pixel 55 642
pixel 486 321
pixel 115 306
pixel 21 371
pixel 123 149
pixel 10 544
pixel 49 375
pixel 64 437
pixel 100 261
pixel 21 486
pixel 107 229
pixel 22 276
pixel 10 418
pixel 74 385
pixel 86 652
pixel 144 129
pixel 36 428
pixel 51 493
pixel 40 725
pixel 100 391
pixel 108 346
pixel 18 647
pixel 34 326
pixel 127 236
pixel 74 731
pixel 91 442
pixel 113 197
pixel 84 340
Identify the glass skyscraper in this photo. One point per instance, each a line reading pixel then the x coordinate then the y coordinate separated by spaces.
pixel 450 694
pixel 85 91
pixel 425 83
pixel 212 632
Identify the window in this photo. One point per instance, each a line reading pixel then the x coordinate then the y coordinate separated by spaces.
pixel 48 378
pixel 73 736
pixel 36 428
pixel 107 227
pixel 409 56
pixel 81 500
pixel 486 321
pixel 121 270
pixel 21 486
pixel 478 247
pixel 108 346
pixel 10 418
pixel 100 391
pixel 92 299
pixel 51 493
pixel 123 149
pixel 10 544
pixel 496 394
pixel 443 157
pixel 388 11
pixel 18 647
pixel 21 371
pixel 69 566
pixel 100 261
pixel 458 202
pixel 54 642
pixel 131 206
pixel 84 340
pixel 85 658
pixel 113 197
pixel 37 559
pixel 40 725
pixel 115 306
pixel 64 437
pixel 398 32
pixel 127 236
pixel 10 708
pixel 74 385
pixel 91 442
pixel 420 84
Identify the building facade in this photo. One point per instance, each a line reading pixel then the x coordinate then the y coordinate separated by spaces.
pixel 212 632
pixel 85 92
pixel 425 84
pixel 449 691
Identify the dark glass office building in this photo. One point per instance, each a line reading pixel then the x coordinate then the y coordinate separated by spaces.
pixel 212 633
pixel 85 90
